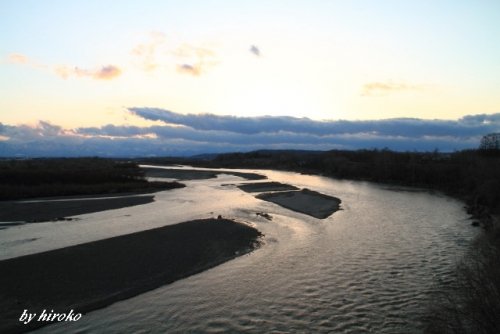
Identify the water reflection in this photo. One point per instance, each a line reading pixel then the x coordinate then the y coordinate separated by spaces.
pixel 367 268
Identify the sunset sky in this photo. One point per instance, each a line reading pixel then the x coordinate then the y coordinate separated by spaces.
pixel 70 66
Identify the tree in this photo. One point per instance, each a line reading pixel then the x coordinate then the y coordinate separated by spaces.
pixel 490 142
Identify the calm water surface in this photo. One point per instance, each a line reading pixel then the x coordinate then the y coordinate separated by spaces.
pixel 368 268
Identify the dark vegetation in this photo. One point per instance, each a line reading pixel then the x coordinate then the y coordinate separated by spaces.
pixel 21 179
pixel 490 142
pixel 471 303
pixel 93 275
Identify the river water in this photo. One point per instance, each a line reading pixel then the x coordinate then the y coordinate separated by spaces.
pixel 368 268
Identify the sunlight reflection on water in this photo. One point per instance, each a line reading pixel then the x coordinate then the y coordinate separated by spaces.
pixel 367 268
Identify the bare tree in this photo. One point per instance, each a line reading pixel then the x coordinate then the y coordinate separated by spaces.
pixel 490 141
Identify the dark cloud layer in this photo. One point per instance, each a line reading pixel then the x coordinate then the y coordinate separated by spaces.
pixel 467 126
pixel 208 133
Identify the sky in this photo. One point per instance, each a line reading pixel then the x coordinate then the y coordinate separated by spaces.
pixel 344 73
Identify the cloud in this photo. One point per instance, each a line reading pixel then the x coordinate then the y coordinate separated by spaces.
pixel 25 132
pixel 155 52
pixel 189 69
pixel 20 59
pixel 194 60
pixel 146 53
pixel 190 51
pixel 17 58
pixel 107 72
pixel 104 73
pixel 384 88
pixel 255 50
pixel 412 127
pixel 194 134
pixel 482 119
pixel 186 58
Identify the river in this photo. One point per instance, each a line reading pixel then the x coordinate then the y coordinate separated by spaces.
pixel 368 268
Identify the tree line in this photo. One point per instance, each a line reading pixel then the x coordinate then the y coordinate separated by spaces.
pixel 73 176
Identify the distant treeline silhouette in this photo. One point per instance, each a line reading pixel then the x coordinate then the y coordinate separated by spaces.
pixel 490 142
pixel 72 176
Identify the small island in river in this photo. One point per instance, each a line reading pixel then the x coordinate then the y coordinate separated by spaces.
pixel 304 201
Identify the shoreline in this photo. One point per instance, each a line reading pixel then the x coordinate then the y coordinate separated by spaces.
pixel 93 275
pixel 181 174
pixel 265 187
pixel 59 208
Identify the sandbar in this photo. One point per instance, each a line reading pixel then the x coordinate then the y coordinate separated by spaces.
pixel 305 201
pixel 195 174
pixel 46 210
pixel 93 275
pixel 266 186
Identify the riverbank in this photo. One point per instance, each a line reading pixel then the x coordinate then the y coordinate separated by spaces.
pixel 183 174
pixel 57 209
pixel 92 275
pixel 51 177
pixel 470 304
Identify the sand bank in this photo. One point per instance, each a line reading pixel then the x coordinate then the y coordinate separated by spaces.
pixel 194 174
pixel 305 201
pixel 266 186
pixel 55 209
pixel 92 275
